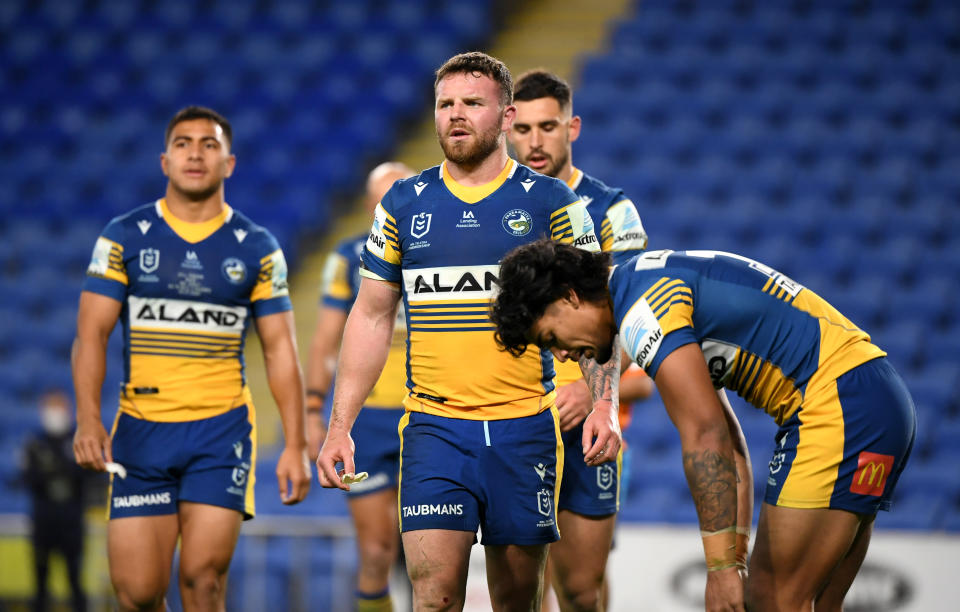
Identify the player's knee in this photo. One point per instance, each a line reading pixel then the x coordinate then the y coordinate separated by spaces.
pixel 376 558
pixel 203 584
pixel 580 592
pixel 130 598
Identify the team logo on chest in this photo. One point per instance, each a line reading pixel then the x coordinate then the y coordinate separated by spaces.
pixel 420 224
pixel 149 260
pixel 234 270
pixel 517 222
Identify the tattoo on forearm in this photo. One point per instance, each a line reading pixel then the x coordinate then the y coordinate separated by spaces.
pixel 713 484
pixel 602 378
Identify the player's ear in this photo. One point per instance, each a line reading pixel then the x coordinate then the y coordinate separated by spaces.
pixel 573 131
pixel 231 163
pixel 163 164
pixel 509 114
pixel 572 298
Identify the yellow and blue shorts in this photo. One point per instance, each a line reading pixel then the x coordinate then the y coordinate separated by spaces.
pixel 847 444
pixel 377 449
pixel 588 490
pixel 500 476
pixel 209 461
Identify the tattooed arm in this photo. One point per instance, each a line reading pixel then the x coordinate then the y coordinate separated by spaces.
pixel 601 429
pixel 710 467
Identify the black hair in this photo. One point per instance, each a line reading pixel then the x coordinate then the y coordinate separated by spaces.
pixel 535 275
pixel 538 83
pixel 199 112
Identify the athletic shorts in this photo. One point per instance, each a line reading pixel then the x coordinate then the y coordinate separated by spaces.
pixel 377 449
pixel 500 476
pixel 210 461
pixel 847 444
pixel 588 490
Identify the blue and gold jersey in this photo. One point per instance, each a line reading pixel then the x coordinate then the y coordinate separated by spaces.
pixel 620 233
pixel 188 292
pixel 341 282
pixel 441 243
pixel 764 336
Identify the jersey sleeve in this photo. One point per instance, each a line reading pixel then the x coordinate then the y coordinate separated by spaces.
pixel 621 231
pixel 659 322
pixel 570 223
pixel 381 253
pixel 335 289
pixel 271 294
pixel 107 272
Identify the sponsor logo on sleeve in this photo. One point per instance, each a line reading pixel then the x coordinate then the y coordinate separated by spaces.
pixel 100 260
pixel 641 333
pixel 872 472
pixel 278 278
pixel 377 240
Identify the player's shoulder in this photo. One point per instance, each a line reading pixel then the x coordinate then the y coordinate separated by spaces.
pixel 141 217
pixel 250 234
pixel 595 190
pixel 535 186
pixel 405 193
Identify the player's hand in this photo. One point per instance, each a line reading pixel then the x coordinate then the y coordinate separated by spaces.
pixel 293 474
pixel 601 435
pixel 316 433
pixel 573 404
pixel 91 445
pixel 725 591
pixel 338 447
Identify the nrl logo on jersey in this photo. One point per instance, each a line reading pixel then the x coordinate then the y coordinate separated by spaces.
pixel 149 260
pixel 420 224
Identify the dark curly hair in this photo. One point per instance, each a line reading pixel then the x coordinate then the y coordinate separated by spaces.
pixel 535 275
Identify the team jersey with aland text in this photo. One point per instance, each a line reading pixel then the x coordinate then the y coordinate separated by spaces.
pixel 188 293
pixel 441 243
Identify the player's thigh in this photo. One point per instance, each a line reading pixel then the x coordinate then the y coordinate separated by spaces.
pixel 795 552
pixel 437 562
pixel 140 552
pixel 375 519
pixel 841 578
pixel 579 558
pixel 208 537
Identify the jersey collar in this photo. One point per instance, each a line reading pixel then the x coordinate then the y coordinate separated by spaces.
pixel 193 232
pixel 472 195
pixel 575 178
